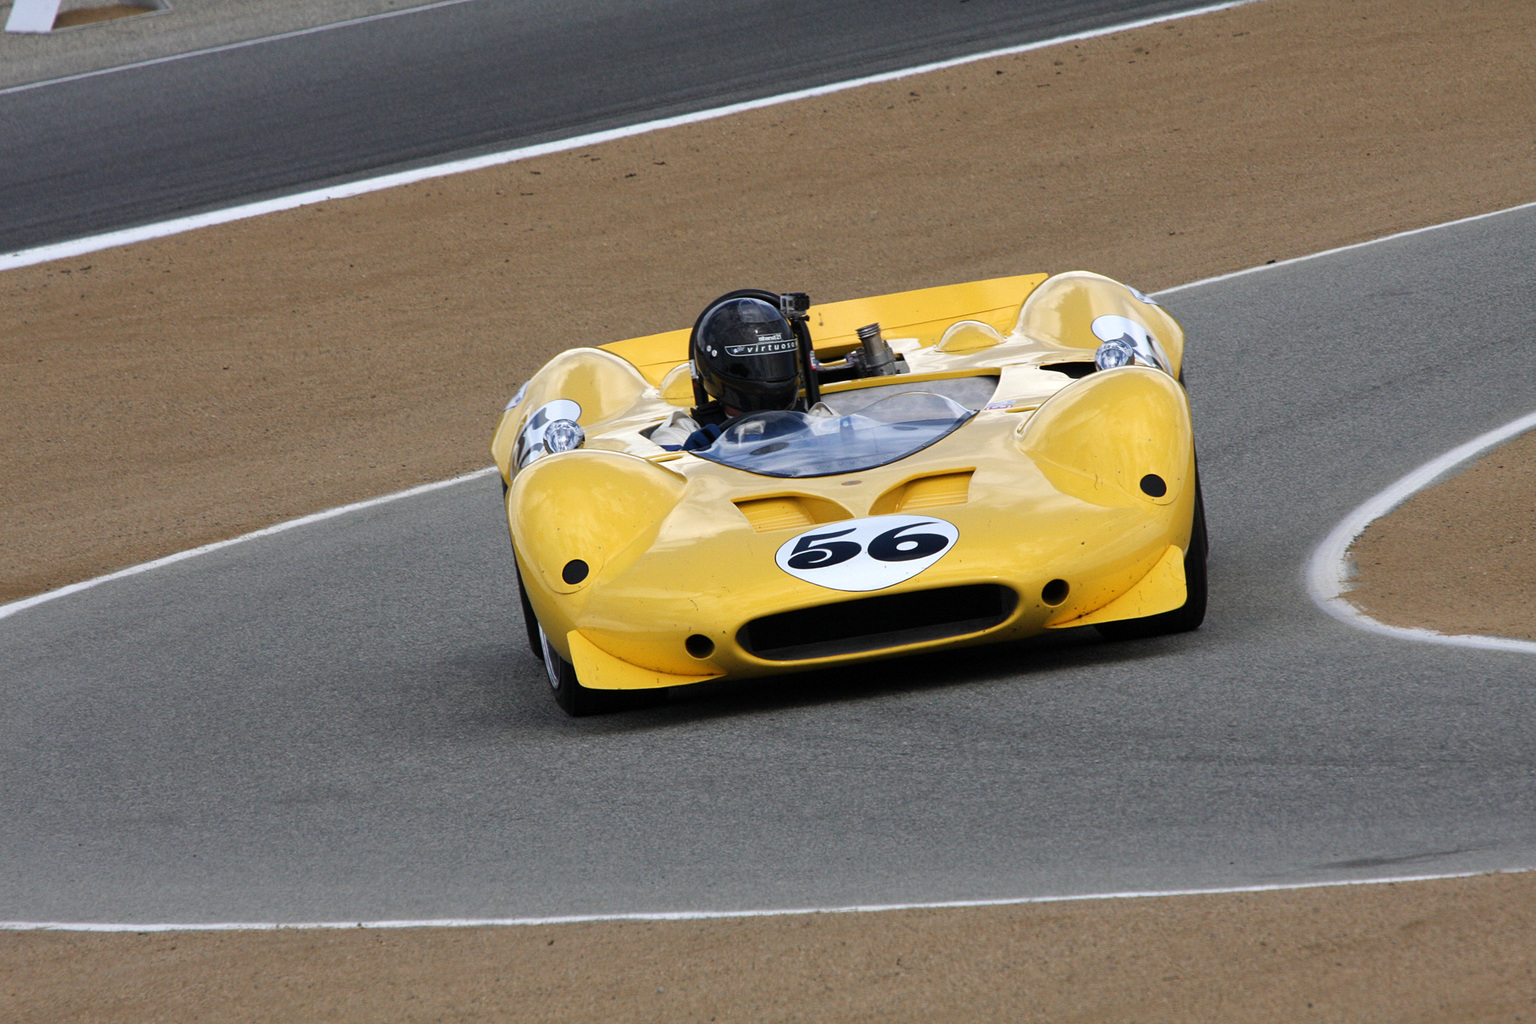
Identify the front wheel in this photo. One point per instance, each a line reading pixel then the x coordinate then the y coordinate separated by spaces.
pixel 1192 612
pixel 573 698
pixel 577 700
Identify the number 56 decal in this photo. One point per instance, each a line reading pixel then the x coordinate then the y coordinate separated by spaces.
pixel 867 554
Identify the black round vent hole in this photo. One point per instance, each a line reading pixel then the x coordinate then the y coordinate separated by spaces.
pixel 574 572
pixel 699 645
pixel 1055 592
pixel 1153 485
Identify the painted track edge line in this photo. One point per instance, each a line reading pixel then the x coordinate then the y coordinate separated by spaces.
pixel 1410 232
pixel 24 603
pixel 1328 570
pixel 179 225
pixel 716 915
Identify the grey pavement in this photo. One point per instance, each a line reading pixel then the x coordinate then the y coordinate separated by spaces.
pixel 181 27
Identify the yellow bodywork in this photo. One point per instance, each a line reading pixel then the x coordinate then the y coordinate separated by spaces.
pixel 1044 487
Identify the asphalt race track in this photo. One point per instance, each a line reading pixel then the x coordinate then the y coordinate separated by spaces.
pixel 153 142
pixel 342 722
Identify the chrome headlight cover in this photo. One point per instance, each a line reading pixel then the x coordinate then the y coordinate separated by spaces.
pixel 1126 342
pixel 533 441
pixel 563 436
pixel 1114 353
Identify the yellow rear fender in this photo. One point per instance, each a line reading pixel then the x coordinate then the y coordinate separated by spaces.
pixel 1115 438
pixel 1082 310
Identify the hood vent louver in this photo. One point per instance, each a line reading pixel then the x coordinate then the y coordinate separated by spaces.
pixel 933 491
pixel 789 512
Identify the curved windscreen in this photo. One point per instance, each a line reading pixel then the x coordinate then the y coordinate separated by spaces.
pixel 798 444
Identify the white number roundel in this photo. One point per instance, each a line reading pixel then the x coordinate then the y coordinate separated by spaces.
pixel 867 554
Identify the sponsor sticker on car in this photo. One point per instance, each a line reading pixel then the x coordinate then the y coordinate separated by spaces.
pixel 867 554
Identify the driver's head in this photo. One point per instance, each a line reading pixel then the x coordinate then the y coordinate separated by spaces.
pixel 745 355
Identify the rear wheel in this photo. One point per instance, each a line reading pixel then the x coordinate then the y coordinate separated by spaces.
pixel 1192 612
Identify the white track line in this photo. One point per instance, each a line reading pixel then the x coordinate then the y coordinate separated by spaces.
pixel 716 915
pixel 127 236
pixel 133 570
pixel 1323 254
pixel 1329 571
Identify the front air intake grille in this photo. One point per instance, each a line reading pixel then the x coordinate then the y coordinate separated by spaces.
pixel 874 623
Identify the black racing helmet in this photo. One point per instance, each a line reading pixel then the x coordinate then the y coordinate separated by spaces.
pixel 745 353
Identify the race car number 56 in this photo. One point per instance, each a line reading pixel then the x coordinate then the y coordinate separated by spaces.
pixel 867 554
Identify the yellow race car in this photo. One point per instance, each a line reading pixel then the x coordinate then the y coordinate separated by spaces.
pixel 943 467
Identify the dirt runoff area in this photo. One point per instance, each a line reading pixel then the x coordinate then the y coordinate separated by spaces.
pixel 1460 557
pixel 1429 952
pixel 196 387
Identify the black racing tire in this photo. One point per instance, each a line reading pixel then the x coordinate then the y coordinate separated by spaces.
pixel 574 699
pixel 1192 612
pixel 530 621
